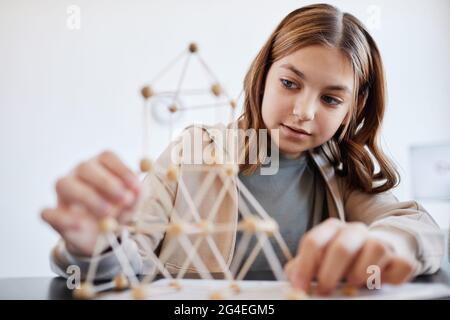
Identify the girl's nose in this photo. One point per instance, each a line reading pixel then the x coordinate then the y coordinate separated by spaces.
pixel 304 109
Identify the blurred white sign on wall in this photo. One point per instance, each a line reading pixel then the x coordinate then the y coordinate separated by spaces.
pixel 431 171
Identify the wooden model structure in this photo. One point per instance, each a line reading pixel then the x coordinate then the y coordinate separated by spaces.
pixel 254 222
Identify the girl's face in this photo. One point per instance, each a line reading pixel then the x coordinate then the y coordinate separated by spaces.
pixel 307 97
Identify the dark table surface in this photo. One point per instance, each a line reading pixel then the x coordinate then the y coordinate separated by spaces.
pixel 55 288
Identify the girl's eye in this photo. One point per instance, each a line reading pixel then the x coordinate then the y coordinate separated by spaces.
pixel 288 84
pixel 331 101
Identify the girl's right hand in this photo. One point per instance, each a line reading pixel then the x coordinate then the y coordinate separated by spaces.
pixel 98 188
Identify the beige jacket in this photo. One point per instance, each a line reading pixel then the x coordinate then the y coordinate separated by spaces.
pixel 405 226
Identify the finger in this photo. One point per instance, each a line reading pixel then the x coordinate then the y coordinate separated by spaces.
pixel 114 164
pixel 70 191
pixel 126 216
pixel 310 252
pixel 59 219
pixel 105 183
pixel 289 266
pixel 373 253
pixel 339 255
pixel 397 271
pixel 77 228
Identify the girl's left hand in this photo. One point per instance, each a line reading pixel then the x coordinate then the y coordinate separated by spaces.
pixel 334 250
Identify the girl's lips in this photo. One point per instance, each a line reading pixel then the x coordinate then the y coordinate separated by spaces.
pixel 294 133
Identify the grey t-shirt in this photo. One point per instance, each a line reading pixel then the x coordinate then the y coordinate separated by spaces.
pixel 292 197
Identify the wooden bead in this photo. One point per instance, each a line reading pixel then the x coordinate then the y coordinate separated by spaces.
pixel 146 165
pixel 193 48
pixel 253 225
pixel 172 173
pixel 108 224
pixel 216 295
pixel 147 92
pixel 176 229
pixel 175 285
pixel 138 293
pixel 249 225
pixel 216 89
pixel 231 169
pixel 172 108
pixel 210 158
pixel 269 226
pixel 349 291
pixel 235 287
pixel 297 294
pixel 205 227
pixel 85 291
pixel 121 281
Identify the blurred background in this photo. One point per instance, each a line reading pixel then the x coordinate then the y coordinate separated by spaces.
pixel 71 72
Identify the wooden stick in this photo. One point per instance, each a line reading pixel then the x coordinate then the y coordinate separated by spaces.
pixel 249 261
pixel 205 106
pixel 104 286
pixel 187 262
pixel 255 204
pixel 218 201
pixel 92 269
pixel 240 251
pixel 168 67
pixel 283 246
pixel 204 188
pixel 122 258
pixel 185 92
pixel 159 265
pixel 198 263
pixel 243 208
pixel 212 75
pixel 259 209
pixel 149 230
pixel 223 227
pixel 206 68
pixel 219 257
pixel 189 201
pixel 271 256
pixel 146 131
pixel 181 79
pixel 163 195
pixel 167 252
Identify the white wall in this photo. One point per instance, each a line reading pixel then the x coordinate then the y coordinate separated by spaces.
pixel 67 94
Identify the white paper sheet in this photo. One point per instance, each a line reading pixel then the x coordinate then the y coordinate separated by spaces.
pixel 276 290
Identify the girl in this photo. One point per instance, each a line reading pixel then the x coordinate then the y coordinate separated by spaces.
pixel 318 85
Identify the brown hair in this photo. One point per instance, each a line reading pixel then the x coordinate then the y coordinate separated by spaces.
pixel 353 150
